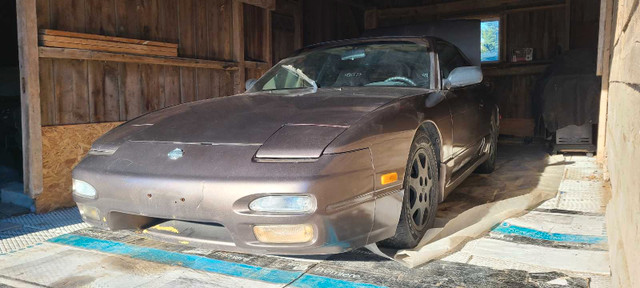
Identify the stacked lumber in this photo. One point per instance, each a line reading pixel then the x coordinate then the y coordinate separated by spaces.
pixel 65 39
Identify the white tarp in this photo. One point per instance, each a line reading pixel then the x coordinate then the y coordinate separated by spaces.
pixel 520 182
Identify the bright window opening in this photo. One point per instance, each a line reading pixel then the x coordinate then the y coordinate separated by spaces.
pixel 490 40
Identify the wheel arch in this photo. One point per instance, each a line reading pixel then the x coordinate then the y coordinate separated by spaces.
pixel 433 132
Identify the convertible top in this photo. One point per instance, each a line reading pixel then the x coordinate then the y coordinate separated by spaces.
pixel 465 34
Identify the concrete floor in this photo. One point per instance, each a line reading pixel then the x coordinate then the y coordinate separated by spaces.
pixel 561 243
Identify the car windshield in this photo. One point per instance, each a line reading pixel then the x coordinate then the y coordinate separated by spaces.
pixel 401 64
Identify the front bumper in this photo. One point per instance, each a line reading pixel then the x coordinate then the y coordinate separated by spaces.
pixel 215 184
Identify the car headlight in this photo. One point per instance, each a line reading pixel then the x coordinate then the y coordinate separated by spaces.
pixel 283 204
pixel 84 189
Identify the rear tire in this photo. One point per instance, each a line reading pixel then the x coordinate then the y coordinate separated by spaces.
pixel 421 190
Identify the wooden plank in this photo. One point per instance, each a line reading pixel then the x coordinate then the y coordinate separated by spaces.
pixel 152 83
pixel 201 35
pixel 371 19
pixel 103 18
pixel 217 38
pixel 64 53
pixel 203 88
pixel 128 18
pixel 104 102
pixel 267 38
pixel 149 19
pixel 519 127
pixel 257 65
pixel 237 11
pixel 107 46
pixel 106 38
pixel 68 15
pixel 187 84
pixel 71 91
pixel 186 19
pixel 43 12
pixel 47 98
pixel 131 91
pixel 30 96
pixel 512 70
pixel 266 4
pixel 171 85
pixel 102 48
pixel 168 29
pixel 567 26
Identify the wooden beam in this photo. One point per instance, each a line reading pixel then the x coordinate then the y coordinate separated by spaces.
pixel 257 65
pixel 266 4
pixel 106 38
pixel 512 70
pixel 462 8
pixel 65 53
pixel 237 12
pixel 30 96
pixel 106 46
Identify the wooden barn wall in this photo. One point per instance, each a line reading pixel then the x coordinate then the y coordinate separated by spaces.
pixel 330 20
pixel 82 91
pixel 82 99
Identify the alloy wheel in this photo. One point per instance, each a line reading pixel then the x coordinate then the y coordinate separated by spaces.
pixel 419 184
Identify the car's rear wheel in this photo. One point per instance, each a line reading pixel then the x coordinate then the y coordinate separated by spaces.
pixel 421 188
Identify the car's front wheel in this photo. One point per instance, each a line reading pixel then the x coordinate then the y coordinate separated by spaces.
pixel 421 188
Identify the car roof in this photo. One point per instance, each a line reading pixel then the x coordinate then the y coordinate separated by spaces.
pixel 333 43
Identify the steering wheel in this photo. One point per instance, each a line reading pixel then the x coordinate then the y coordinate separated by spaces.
pixel 401 79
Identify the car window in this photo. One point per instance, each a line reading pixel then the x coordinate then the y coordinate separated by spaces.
pixel 450 58
pixel 403 64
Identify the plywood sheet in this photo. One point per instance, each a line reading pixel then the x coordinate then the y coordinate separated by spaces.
pixel 63 147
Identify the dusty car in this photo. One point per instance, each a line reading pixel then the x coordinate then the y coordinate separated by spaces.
pixel 341 145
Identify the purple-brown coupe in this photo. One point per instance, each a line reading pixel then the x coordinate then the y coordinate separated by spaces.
pixel 342 145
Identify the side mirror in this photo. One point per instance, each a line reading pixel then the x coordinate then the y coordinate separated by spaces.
pixel 250 83
pixel 463 76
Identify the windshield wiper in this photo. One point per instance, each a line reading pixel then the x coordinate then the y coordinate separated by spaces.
pixel 303 76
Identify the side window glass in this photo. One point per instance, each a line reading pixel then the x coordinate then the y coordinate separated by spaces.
pixel 450 58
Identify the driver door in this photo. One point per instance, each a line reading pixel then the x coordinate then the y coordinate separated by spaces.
pixel 465 109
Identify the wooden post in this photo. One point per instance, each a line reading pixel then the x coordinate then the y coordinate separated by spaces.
pixel 30 96
pixel 605 44
pixel 267 45
pixel 371 19
pixel 238 45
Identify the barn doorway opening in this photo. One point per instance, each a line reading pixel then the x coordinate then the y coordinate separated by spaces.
pixel 10 113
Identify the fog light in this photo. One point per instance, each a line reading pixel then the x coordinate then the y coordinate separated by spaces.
pixel 89 212
pixel 84 189
pixel 284 234
pixel 283 204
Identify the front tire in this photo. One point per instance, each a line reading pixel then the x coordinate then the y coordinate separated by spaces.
pixel 421 189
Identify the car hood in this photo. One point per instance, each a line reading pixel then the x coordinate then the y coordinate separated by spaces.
pixel 253 118
pixel 284 126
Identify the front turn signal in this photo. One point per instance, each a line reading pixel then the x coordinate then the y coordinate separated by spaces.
pixel 388 178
